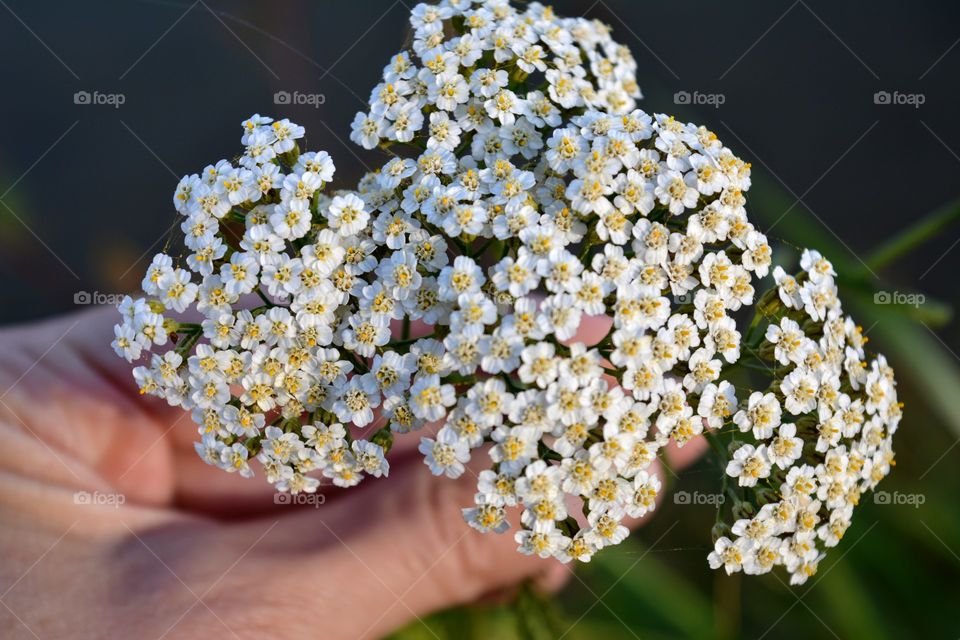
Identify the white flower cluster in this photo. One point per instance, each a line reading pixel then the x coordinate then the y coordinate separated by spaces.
pixel 525 194
pixel 560 201
pixel 821 434
pixel 474 82
pixel 258 378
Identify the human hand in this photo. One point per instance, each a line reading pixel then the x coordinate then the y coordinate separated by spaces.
pixel 113 526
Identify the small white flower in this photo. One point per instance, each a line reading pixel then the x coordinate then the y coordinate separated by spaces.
pixel 761 415
pixel 446 455
pixel 357 401
pixel 347 215
pixel 785 448
pixel 729 554
pixel 748 465
pixel 646 486
pixel 234 459
pixel 369 457
pixel 429 399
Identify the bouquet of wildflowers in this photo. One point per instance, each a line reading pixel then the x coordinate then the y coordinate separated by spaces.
pixel 524 192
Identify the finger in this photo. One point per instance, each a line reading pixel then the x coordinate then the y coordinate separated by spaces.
pixel 78 409
pixel 404 548
pixel 407 549
pixel 592 330
pixel 208 490
pixel 87 423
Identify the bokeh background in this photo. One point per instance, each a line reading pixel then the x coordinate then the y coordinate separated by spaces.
pixel 847 111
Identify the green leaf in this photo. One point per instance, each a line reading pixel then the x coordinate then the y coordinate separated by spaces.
pixel 664 595
pixel 914 236
pixel 853 613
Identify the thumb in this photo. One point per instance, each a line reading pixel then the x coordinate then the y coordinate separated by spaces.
pixel 434 559
pixel 421 556
pixel 398 550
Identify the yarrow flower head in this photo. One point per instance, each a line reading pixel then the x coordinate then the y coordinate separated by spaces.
pixel 525 193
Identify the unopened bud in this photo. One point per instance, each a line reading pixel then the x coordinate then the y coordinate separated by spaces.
pixel 720 530
pixel 743 510
pixel 384 438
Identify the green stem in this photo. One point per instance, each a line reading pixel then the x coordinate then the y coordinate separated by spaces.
pixel 264 297
pixel 754 367
pixel 537 615
pixel 753 326
pixel 187 344
pixel 717 445
pixel 484 246
pixel 394 344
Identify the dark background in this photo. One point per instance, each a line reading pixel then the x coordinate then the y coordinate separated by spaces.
pixel 798 81
pixel 85 200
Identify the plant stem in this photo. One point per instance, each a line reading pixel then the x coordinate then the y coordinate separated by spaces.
pixel 753 326
pixel 717 445
pixel 264 297
pixel 536 614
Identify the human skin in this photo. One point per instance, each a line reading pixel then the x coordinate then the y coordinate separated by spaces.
pixel 193 552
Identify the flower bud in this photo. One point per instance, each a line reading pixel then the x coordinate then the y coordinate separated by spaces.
pixel 742 509
pixel 384 438
pixel 720 530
